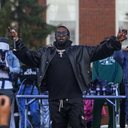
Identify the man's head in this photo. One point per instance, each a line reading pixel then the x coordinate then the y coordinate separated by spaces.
pixel 62 34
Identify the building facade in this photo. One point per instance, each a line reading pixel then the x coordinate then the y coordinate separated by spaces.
pixel 90 21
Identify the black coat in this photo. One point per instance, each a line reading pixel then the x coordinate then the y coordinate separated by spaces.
pixel 79 56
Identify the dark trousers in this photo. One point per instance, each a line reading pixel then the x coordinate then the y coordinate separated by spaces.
pixel 89 124
pixel 67 111
pixel 122 107
pixel 97 110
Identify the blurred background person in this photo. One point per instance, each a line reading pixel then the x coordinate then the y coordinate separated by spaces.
pixel 39 110
pixel 44 113
pixel 106 70
pixel 122 113
pixel 9 69
pixel 122 58
pixel 28 82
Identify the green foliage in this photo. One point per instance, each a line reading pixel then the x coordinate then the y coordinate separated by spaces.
pixel 29 17
pixel 5 15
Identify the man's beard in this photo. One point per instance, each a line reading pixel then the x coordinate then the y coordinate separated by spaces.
pixel 62 44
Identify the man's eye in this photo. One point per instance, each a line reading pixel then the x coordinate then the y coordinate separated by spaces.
pixel 61 33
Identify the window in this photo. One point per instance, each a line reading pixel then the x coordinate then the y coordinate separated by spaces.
pixel 63 12
pixel 122 17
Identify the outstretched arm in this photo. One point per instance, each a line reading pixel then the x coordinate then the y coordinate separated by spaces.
pixel 122 35
pixel 25 55
pixel 107 47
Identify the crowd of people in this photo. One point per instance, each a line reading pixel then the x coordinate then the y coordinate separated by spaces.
pixel 63 71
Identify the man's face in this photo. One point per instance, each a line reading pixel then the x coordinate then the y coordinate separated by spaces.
pixel 61 34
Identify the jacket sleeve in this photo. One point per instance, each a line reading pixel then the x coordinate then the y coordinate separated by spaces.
pixel 118 73
pixel 104 49
pixel 14 64
pixel 26 56
pixel 119 57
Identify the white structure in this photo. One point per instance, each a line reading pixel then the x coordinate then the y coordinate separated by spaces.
pixel 122 16
pixel 64 12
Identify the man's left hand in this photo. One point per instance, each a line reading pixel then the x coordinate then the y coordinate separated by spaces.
pixel 122 35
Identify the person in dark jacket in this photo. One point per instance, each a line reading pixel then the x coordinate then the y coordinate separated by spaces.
pixel 65 70
pixel 106 71
pixel 122 58
pixel 9 70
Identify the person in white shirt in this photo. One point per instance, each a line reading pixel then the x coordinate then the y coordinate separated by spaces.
pixel 9 67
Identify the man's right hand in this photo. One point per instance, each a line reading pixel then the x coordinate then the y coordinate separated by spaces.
pixel 122 35
pixel 12 33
